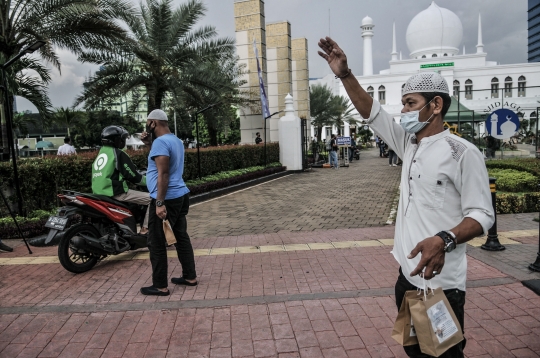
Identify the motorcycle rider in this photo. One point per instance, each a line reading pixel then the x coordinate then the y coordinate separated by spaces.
pixel 112 167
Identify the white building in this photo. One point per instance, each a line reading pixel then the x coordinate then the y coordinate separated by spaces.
pixel 434 38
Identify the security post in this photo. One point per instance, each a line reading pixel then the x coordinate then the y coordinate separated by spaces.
pixel 492 242
pixel 344 142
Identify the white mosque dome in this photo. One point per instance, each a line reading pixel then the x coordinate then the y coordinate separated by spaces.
pixel 367 21
pixel 434 32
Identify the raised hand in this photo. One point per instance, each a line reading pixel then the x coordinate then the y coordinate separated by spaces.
pixel 334 55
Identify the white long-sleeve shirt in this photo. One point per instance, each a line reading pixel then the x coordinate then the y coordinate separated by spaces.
pixel 66 149
pixel 443 180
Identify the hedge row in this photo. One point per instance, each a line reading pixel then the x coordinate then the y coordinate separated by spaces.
pixel 514 204
pixel 42 178
pixel 514 181
pixel 223 183
pixel 530 165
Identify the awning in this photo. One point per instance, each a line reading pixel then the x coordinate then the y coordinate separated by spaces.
pixel 461 112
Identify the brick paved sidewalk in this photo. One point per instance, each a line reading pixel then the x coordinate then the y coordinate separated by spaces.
pixel 362 195
pixel 315 295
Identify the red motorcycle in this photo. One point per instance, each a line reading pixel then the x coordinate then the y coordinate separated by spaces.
pixel 92 227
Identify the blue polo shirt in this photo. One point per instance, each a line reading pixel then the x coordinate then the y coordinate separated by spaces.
pixel 170 146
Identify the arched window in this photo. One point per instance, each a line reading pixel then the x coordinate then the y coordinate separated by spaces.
pixel 494 87
pixel 424 56
pixel 521 86
pixel 468 89
pixel 434 55
pixel 370 91
pixel 382 94
pixel 508 86
pixel 445 55
pixel 456 88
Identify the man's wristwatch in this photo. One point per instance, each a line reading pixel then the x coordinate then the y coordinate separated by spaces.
pixel 159 203
pixel 449 240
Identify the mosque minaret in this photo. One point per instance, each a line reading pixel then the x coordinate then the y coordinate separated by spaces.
pixel 367 35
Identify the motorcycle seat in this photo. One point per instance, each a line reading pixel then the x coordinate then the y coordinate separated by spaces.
pixel 106 199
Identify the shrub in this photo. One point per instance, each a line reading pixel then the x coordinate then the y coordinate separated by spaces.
pixel 514 181
pixel 42 178
pixel 31 226
pixel 530 165
pixel 223 183
pixel 531 202
pixel 509 204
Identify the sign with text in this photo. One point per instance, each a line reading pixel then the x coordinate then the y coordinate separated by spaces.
pixel 343 141
pixel 444 64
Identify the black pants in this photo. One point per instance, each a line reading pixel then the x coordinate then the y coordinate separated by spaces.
pixel 177 210
pixel 455 297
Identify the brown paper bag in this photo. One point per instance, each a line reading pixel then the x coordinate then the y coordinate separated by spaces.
pixel 169 234
pixel 404 332
pixel 437 327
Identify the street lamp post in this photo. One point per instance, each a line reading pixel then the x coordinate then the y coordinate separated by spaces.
pixel 9 116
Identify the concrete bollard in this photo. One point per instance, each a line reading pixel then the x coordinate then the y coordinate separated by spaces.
pixel 492 242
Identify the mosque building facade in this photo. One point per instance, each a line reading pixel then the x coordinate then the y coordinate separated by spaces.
pixel 478 86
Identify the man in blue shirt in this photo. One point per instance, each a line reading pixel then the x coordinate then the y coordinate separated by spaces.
pixel 170 200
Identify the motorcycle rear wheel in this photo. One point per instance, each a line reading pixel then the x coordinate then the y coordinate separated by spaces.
pixel 72 261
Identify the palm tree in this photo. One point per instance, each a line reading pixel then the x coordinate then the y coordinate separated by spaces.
pixel 166 62
pixel 68 117
pixel 320 98
pixel 76 25
pixel 341 111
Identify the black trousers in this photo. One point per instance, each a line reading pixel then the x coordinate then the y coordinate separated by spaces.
pixel 455 297
pixel 177 210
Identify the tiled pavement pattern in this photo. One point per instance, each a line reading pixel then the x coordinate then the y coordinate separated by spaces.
pixel 500 322
pixel 354 197
pixel 305 303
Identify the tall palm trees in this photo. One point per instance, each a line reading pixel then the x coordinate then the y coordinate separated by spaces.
pixel 167 62
pixel 328 109
pixel 81 26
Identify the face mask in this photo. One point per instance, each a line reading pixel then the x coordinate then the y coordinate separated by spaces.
pixel 410 122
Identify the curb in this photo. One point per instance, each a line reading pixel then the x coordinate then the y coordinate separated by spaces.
pixel 220 192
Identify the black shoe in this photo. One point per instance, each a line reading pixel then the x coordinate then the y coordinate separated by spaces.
pixel 182 281
pixel 152 291
pixel 4 247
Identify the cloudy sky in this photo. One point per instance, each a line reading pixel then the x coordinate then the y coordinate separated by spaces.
pixel 504 26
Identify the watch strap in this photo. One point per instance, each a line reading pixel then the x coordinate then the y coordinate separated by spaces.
pixel 449 242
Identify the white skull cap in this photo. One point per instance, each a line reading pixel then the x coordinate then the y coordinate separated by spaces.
pixel 425 82
pixel 158 114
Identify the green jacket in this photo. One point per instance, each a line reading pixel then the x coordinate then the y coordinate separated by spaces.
pixel 110 171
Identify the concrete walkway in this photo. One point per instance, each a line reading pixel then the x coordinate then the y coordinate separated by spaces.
pixel 267 290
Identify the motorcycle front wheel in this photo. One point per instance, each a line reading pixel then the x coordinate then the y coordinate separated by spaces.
pixel 72 260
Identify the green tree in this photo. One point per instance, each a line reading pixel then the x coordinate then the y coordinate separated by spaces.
pixel 75 25
pixel 341 111
pixel 68 117
pixel 20 124
pixel 320 98
pixel 166 62
pixel 87 132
